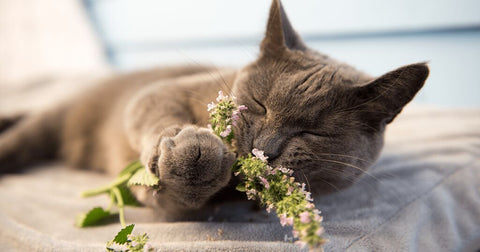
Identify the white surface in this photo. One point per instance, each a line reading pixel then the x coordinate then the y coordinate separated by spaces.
pixel 129 22
pixel 43 39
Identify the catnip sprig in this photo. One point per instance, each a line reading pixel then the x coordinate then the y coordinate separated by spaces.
pixel 119 193
pixel 120 196
pixel 125 241
pixel 223 115
pixel 274 187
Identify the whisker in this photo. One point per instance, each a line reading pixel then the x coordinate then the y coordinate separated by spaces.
pixel 350 165
pixel 343 155
pixel 328 183
pixel 207 69
pixel 377 180
pixel 306 179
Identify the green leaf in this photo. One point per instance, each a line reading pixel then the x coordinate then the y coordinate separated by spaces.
pixel 241 187
pixel 122 236
pixel 92 218
pixel 143 177
pixel 127 196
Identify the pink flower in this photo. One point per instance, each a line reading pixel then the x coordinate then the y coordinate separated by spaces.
pixel 242 107
pixel 305 217
pixel 290 190
pixel 259 154
pixel 309 205
pixel 283 219
pixel 308 196
pixel 211 106
pixel 290 221
pixel 251 193
pixel 269 208
pixel 221 96
pixel 264 182
pixel 319 231
pixel 272 171
pixel 303 188
pixel 226 132
pixel 235 117
pixel 286 170
pixel 147 247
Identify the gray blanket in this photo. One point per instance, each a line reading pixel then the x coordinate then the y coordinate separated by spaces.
pixel 423 194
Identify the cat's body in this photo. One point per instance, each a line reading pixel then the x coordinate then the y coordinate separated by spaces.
pixel 322 118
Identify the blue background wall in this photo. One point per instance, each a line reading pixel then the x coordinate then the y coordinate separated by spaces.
pixel 374 35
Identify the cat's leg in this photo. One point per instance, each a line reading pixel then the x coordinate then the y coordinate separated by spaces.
pixel 31 139
pixel 9 121
pixel 192 163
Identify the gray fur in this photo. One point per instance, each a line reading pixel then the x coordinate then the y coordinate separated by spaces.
pixel 320 117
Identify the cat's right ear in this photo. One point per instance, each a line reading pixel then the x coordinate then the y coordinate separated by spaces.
pixel 384 97
pixel 280 35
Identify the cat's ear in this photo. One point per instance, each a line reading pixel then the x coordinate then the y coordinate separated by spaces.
pixel 280 35
pixel 386 96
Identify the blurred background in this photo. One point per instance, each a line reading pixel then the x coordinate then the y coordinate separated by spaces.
pixel 53 39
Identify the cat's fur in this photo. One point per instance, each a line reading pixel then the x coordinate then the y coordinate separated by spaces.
pixel 322 118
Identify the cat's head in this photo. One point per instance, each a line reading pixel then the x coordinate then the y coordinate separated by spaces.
pixel 308 112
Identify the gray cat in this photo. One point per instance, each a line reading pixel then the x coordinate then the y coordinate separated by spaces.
pixel 322 118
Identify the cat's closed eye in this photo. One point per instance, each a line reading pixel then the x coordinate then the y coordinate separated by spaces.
pixel 317 134
pixel 257 107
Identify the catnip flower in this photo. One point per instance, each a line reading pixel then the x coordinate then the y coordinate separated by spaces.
pixel 147 247
pixel 223 115
pixel 305 217
pixel 269 208
pixel 283 219
pixel 242 107
pixel 264 182
pixel 226 132
pixel 259 154
pixel 274 187
pixel 221 96
pixel 211 106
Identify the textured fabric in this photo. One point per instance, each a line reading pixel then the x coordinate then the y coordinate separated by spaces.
pixel 422 195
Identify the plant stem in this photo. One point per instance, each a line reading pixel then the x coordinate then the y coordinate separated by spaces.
pixel 112 201
pixel 119 198
pixel 104 189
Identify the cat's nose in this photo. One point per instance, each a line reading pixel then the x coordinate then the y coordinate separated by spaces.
pixel 271 146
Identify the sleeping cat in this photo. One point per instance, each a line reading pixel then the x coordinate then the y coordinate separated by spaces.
pixel 321 118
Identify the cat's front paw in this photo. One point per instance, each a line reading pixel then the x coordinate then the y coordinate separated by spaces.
pixel 193 165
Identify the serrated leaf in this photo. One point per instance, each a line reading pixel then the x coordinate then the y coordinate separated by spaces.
pixel 240 187
pixel 122 236
pixel 127 196
pixel 92 217
pixel 131 168
pixel 143 177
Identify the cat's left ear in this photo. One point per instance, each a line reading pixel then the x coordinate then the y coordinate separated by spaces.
pixel 280 34
pixel 386 96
